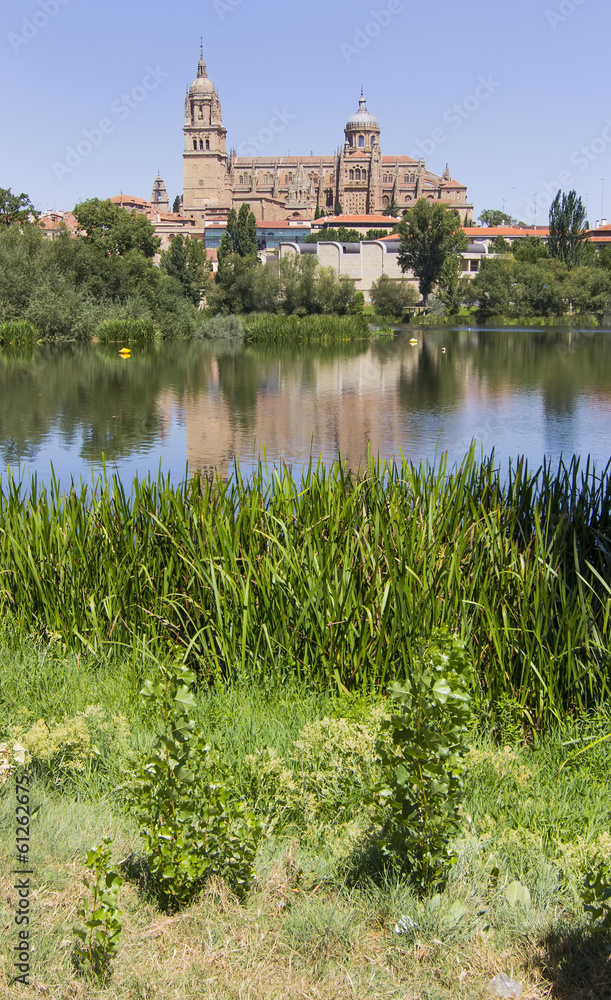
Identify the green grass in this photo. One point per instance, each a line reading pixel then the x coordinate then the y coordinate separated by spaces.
pixel 309 927
pixel 131 331
pixel 331 580
pixel 19 332
pixel 267 328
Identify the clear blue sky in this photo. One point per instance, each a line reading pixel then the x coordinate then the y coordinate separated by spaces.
pixel 514 94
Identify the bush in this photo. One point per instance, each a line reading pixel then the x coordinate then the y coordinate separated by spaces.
pixel 423 763
pixel 193 824
pixel 393 298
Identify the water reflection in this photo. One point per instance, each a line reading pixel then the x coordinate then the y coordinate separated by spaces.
pixel 535 393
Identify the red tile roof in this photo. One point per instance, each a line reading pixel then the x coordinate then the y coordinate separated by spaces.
pixel 490 232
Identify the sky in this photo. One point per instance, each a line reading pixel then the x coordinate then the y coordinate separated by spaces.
pixel 513 94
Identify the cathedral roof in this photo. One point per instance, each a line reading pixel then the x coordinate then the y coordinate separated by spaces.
pixel 362 118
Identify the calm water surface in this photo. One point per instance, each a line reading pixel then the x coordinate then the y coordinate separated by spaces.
pixel 202 406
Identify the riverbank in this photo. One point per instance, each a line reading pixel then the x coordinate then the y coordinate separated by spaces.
pixel 534 819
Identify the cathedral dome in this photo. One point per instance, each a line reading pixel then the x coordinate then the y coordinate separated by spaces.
pixel 201 87
pixel 362 118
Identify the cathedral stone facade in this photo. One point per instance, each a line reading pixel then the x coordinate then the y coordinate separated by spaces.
pixel 358 177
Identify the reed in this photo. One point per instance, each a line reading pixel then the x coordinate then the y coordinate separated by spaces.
pixel 132 331
pixel 18 331
pixel 269 328
pixel 331 580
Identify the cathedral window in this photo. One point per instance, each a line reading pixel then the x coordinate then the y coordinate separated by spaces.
pixel 207 143
pixel 386 201
pixel 201 143
pixel 357 174
pixel 351 175
pixel 361 141
pixel 195 144
pixel 364 175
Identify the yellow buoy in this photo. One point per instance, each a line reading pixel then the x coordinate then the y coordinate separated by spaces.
pixel 125 352
pixel 413 341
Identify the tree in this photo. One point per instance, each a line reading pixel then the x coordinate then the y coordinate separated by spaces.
pixel 240 237
pixel 185 260
pixel 116 230
pixel 567 228
pixel 15 209
pixel 530 249
pixel 428 234
pixel 494 217
pixel 177 204
pixel 452 284
pixel 392 209
pixel 501 245
pixel 391 297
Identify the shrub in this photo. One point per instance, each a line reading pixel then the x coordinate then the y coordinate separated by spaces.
pixel 193 824
pixel 327 775
pixel 98 935
pixel 60 751
pixel 392 298
pixel 423 763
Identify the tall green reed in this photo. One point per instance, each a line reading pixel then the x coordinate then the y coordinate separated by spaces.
pixel 268 328
pixel 332 579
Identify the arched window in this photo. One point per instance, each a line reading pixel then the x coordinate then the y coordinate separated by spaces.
pixel 201 143
pixel 361 141
pixel 386 201
pixel 241 178
pixel 195 144
pixel 351 175
pixel 408 197
pixel 207 143
pixel 364 175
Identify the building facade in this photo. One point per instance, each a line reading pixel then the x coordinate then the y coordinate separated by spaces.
pixel 358 177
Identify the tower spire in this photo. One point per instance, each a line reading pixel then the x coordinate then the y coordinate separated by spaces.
pixel 201 66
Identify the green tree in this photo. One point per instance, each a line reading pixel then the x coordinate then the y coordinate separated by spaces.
pixel 176 205
pixel 240 237
pixel 115 230
pixel 15 209
pixel 530 249
pixel 501 245
pixel 185 260
pixel 494 217
pixel 391 297
pixel 490 290
pixel 452 284
pixel 567 228
pixel 392 209
pixel 429 233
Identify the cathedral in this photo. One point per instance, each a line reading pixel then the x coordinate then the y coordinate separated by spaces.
pixel 358 179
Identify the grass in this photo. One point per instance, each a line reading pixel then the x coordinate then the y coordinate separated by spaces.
pixel 331 580
pixel 130 331
pixel 314 926
pixel 267 328
pixel 18 332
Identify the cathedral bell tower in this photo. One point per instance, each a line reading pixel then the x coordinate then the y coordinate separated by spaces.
pixel 205 190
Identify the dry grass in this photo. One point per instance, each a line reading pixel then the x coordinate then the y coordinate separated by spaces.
pixel 295 938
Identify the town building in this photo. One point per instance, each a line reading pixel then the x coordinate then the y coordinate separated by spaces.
pixel 358 177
